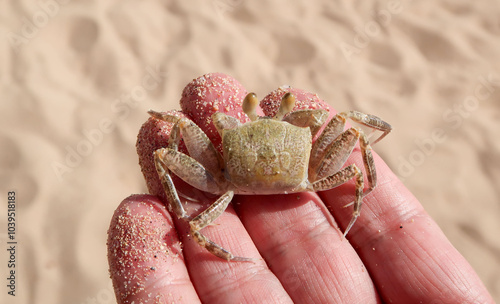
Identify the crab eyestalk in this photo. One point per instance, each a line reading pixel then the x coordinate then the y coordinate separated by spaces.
pixel 287 104
pixel 249 106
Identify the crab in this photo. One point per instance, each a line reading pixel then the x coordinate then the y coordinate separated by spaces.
pixel 267 155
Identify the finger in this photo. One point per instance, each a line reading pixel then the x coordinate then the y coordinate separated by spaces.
pixel 153 135
pixel 211 93
pixel 144 254
pixel 215 280
pixel 304 249
pixel 220 281
pixel 406 253
pixel 390 206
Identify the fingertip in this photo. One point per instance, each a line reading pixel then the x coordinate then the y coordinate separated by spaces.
pixel 144 253
pixel 153 135
pixel 211 93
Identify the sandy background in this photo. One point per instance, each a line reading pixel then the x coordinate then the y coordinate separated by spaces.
pixel 77 78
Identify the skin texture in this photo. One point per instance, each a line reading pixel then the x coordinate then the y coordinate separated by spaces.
pixel 395 253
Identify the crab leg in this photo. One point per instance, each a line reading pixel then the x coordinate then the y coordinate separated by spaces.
pixel 188 169
pixel 368 162
pixel 370 121
pixel 224 122
pixel 172 158
pixel 206 218
pixel 320 147
pixel 205 174
pixel 169 188
pixel 197 143
pixel 337 179
pixel 335 155
pixel 339 151
pixel 313 119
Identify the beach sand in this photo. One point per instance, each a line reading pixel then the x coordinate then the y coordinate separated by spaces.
pixel 77 78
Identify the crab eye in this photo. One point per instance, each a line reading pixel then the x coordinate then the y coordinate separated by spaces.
pixel 286 106
pixel 249 106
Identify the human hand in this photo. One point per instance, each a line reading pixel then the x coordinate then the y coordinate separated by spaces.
pixel 394 253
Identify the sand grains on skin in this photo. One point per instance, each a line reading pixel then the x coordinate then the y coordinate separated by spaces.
pixel 145 254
